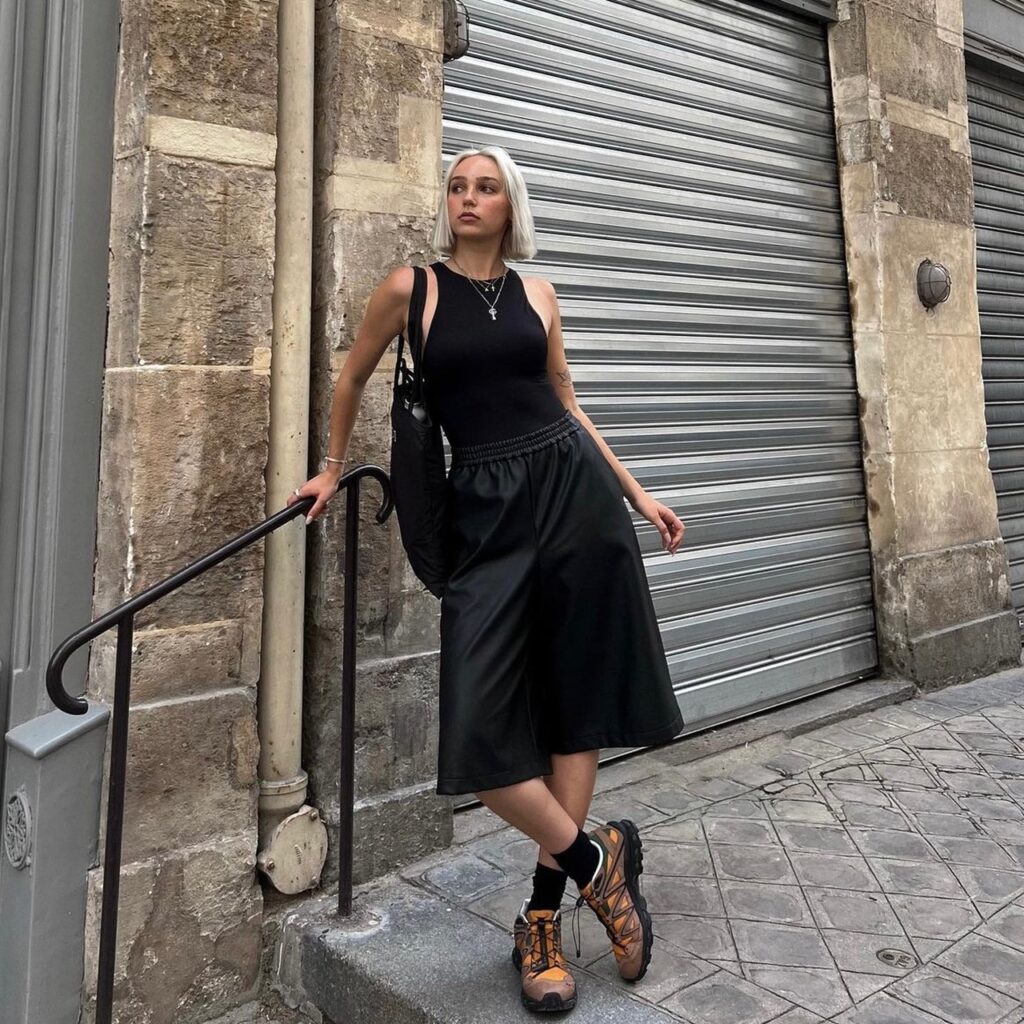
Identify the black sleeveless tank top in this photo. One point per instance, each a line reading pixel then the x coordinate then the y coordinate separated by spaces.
pixel 486 380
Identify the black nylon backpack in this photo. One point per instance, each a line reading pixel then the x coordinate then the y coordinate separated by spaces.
pixel 418 476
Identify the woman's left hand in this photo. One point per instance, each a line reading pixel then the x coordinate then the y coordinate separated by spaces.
pixel 668 524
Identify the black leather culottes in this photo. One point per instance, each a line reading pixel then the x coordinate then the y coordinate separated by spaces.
pixel 549 640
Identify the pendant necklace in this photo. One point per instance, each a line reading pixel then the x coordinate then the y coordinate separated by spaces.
pixel 487 286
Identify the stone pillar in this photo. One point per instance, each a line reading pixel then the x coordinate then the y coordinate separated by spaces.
pixel 377 182
pixel 940 573
pixel 184 448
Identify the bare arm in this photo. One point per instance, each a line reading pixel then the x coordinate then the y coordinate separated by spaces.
pixel 384 318
pixel 661 516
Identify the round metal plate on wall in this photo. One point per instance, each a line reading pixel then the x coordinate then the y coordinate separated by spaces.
pixel 294 858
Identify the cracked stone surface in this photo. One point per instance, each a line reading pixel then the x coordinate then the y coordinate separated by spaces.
pixel 869 872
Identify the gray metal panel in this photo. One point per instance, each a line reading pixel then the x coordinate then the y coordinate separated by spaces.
pixel 57 72
pixel 681 162
pixel 994 31
pixel 996 113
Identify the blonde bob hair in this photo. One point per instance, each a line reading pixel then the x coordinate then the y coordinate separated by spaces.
pixel 519 241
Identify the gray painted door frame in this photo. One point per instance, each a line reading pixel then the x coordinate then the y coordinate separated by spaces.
pixel 57 77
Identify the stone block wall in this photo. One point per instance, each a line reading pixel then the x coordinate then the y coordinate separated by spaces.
pixel 184 449
pixel 377 182
pixel 942 593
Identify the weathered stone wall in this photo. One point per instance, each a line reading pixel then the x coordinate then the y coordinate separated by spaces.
pixel 184 448
pixel 940 575
pixel 378 172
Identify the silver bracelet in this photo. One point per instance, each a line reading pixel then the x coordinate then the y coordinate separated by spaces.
pixel 329 459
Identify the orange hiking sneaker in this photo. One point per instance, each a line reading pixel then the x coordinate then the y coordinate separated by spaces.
pixel 546 981
pixel 614 895
pixel 519 933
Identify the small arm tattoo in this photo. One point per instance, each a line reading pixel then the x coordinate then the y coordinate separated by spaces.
pixel 564 376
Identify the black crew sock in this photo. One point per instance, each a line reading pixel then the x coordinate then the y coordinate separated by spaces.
pixel 580 859
pixel 548 888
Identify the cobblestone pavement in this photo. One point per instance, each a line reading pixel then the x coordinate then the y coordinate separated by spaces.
pixel 871 872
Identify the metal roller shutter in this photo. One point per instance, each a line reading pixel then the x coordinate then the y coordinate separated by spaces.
pixel 680 157
pixel 996 117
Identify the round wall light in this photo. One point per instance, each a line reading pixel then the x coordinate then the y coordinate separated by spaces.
pixel 933 283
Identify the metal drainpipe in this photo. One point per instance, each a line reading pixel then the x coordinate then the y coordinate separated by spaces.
pixel 293 840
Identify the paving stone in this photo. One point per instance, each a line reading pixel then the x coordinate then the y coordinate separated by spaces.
pixel 860 986
pixel 464 877
pixel 1007 926
pixel 815 838
pixel 880 842
pixel 471 824
pixel 739 807
pixel 668 972
pixel 840 736
pixel 903 717
pixel 989 962
pixel 815 747
pixel 801 810
pixel 989 883
pixel 752 864
pixel 1008 831
pixel 791 763
pixel 676 859
pixel 923 800
pixel 914 879
pixel 630 803
pixel 945 824
pixel 510 850
pixel 682 896
pixel 875 728
pixel 724 998
pixel 1003 764
pixel 753 775
pixel 708 938
pixel 833 871
pixel 928 949
pixel 852 911
pixel 970 783
pixel 936 737
pixel 779 944
pixel 934 709
pixel 751 901
pixel 972 725
pixel 735 830
pixel 687 830
pixel 949 759
pixel 857 951
pixel 874 817
pixel 993 742
pixel 853 792
pixel 934 918
pixel 820 990
pixel 894 754
pixel 715 789
pixel 846 773
pixel 981 852
pixel 907 775
pixel 798 1015
pixel 989 807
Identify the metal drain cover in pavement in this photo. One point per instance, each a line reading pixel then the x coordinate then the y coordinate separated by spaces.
pixel 897 958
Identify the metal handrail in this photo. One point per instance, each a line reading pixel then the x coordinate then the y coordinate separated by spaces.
pixel 123 616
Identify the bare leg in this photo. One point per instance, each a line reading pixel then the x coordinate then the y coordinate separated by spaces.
pixel 549 812
pixel 571 781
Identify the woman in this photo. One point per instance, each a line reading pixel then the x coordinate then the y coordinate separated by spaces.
pixel 550 648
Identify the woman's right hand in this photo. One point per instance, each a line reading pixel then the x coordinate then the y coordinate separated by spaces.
pixel 324 485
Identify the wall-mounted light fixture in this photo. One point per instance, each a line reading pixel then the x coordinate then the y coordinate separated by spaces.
pixel 933 283
pixel 456 29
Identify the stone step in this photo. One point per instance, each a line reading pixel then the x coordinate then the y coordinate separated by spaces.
pixel 406 956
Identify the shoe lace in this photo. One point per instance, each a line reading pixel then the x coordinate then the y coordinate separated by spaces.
pixel 543 946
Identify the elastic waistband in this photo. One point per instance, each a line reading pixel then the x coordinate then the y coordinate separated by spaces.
pixel 519 445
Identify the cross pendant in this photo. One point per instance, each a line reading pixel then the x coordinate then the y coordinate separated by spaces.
pixel 494 313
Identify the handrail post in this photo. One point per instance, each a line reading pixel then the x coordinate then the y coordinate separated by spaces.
pixel 115 821
pixel 346 788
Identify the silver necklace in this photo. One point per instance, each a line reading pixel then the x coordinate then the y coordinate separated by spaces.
pixel 488 286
